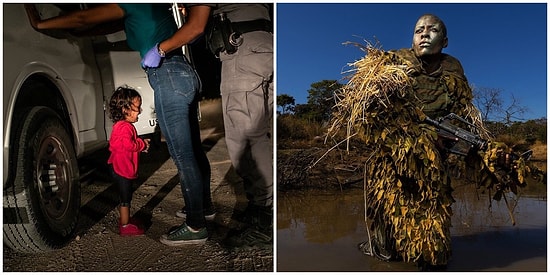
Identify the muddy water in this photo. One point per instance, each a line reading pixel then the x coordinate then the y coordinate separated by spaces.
pixel 319 231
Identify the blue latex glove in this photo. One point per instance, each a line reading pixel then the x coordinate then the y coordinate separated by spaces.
pixel 152 58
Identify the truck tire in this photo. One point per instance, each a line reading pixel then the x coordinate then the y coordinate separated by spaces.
pixel 42 204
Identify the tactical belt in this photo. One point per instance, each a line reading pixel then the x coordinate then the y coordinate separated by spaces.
pixel 253 25
pixel 176 52
pixel 224 35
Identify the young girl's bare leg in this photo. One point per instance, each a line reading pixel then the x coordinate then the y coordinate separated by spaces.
pixel 124 215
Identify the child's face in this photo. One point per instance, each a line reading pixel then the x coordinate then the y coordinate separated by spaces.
pixel 135 110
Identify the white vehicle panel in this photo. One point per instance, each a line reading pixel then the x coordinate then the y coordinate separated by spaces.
pixel 69 62
pixel 125 73
pixel 122 66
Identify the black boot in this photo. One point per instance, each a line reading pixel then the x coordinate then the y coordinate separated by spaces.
pixel 258 230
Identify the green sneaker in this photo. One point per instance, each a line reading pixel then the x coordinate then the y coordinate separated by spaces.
pixel 184 235
pixel 250 238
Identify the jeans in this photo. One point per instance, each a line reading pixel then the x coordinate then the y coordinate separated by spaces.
pixel 176 87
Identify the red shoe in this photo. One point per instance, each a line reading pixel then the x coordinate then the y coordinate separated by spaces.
pixel 130 230
pixel 133 221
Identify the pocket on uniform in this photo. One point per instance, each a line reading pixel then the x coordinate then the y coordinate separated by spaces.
pixel 247 110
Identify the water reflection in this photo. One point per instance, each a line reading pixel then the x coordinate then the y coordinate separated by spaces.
pixel 319 231
pixel 323 216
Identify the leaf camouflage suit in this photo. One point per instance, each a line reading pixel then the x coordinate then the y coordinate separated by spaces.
pixel 408 193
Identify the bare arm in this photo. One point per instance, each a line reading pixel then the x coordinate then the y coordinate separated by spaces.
pixel 193 28
pixel 77 19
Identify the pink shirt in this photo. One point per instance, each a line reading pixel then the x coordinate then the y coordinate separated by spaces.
pixel 125 147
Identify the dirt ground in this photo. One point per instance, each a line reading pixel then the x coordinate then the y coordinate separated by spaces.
pixel 97 246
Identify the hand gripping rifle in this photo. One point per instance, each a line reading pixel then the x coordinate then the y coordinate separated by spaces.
pixel 461 141
pixel 455 134
pixel 454 137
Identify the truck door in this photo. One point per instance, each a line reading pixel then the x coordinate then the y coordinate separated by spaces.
pixel 120 66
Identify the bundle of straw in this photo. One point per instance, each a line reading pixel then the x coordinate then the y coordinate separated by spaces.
pixel 374 80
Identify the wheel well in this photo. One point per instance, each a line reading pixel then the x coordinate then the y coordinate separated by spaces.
pixel 37 90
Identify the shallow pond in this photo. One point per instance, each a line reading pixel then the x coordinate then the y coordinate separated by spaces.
pixel 319 231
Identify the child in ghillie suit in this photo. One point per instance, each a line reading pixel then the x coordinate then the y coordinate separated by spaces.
pixel 125 146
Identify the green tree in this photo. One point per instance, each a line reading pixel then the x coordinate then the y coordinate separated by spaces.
pixel 305 111
pixel 530 131
pixel 286 102
pixel 320 101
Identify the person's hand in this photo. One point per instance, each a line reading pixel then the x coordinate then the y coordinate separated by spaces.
pixel 147 141
pixel 152 58
pixel 34 16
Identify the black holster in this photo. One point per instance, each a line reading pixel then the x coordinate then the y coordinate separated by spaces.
pixel 224 35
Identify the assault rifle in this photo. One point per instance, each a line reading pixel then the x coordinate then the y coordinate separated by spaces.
pixel 460 141
pixel 453 135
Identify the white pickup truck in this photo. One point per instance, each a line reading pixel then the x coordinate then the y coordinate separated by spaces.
pixel 56 86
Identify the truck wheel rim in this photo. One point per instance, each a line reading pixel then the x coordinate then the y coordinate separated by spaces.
pixel 53 179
